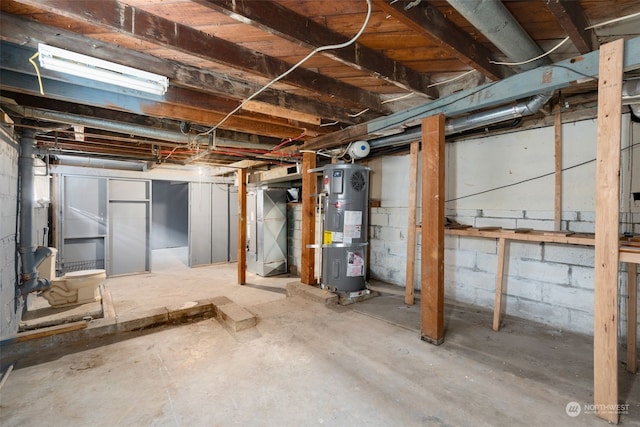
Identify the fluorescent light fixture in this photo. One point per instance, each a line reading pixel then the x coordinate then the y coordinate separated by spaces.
pixel 56 59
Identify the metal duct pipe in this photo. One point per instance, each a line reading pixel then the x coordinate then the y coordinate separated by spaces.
pixel 472 121
pixel 132 129
pixel 30 256
pixel 631 95
pixel 501 114
pixel 497 24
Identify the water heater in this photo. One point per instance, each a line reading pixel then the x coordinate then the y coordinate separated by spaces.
pixel 344 238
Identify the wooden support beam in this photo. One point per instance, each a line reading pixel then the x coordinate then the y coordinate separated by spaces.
pixel 242 226
pixel 632 317
pixel 307 267
pixel 411 228
pixel 497 308
pixel 605 339
pixel 571 17
pixel 432 251
pixel 557 211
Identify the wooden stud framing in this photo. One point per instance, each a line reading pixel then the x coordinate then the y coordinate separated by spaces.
pixel 432 251
pixel 307 267
pixel 605 358
pixel 502 243
pixel 632 317
pixel 558 171
pixel 242 225
pixel 411 229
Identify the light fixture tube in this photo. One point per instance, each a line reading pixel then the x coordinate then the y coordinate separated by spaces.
pixel 56 59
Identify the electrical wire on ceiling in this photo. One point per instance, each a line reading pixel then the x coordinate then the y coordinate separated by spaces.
pixel 290 70
pixel 532 59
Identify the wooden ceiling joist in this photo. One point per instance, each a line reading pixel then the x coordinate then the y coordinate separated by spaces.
pixel 278 20
pixel 115 16
pixel 571 17
pixel 428 21
pixel 25 32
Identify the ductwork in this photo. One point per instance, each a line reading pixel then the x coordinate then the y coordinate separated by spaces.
pixel 631 95
pixel 132 129
pixel 497 115
pixel 472 121
pixel 497 24
pixel 30 256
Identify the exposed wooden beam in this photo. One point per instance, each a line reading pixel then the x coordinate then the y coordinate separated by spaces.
pixel 557 210
pixel 605 338
pixel 242 226
pixel 411 233
pixel 429 22
pixel 571 17
pixel 307 267
pixel 137 23
pixel 179 109
pixel 432 249
pixel 519 86
pixel 29 33
pixel 276 19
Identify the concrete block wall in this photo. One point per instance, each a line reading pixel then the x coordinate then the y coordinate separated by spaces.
pixel 543 282
pixel 10 308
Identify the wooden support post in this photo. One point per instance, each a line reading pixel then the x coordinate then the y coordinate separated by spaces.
pixel 432 251
pixel 632 317
pixel 605 339
pixel 558 172
pixel 309 180
pixel 411 228
pixel 242 226
pixel 502 243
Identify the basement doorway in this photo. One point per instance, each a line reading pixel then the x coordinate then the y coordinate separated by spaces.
pixel 170 225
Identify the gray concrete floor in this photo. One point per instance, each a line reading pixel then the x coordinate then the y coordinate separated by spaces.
pixel 305 364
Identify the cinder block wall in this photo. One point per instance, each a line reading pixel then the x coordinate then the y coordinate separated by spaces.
pixel 547 283
pixel 11 308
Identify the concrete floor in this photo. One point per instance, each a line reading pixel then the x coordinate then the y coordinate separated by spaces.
pixel 305 364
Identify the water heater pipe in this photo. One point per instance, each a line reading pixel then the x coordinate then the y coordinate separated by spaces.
pixel 30 255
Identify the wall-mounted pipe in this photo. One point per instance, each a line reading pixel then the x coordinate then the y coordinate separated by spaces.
pixel 472 121
pixel 30 255
pixel 133 129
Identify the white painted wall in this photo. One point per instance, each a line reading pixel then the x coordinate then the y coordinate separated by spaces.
pixel 549 283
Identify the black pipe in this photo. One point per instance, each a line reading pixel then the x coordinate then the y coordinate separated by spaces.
pixel 30 255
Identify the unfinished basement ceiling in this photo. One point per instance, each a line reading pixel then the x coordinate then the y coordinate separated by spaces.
pixel 218 53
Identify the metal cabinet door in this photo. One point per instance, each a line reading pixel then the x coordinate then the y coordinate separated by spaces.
pixel 129 226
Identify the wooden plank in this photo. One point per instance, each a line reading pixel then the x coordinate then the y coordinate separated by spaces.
pixel 242 226
pixel 276 19
pixel 497 308
pixel 432 251
pixel 605 348
pixel 309 180
pixel 428 21
pixel 632 318
pixel 142 25
pixel 532 236
pixel 573 20
pixel 45 332
pixel 411 234
pixel 557 212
